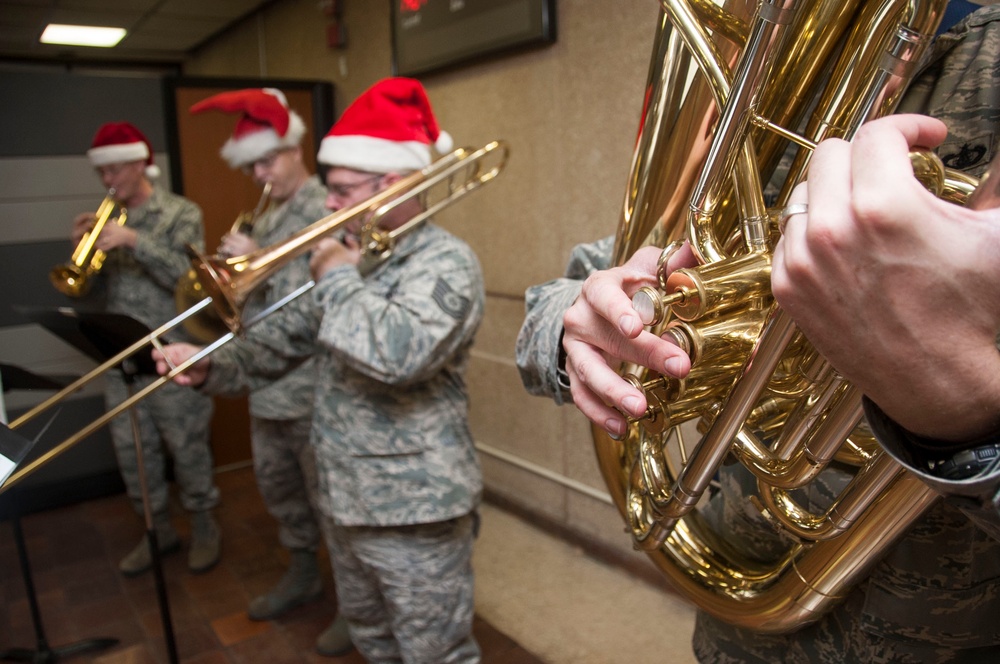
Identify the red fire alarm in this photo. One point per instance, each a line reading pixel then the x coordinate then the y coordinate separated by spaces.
pixel 336 34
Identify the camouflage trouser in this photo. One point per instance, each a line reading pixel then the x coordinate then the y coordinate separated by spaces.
pixel 173 416
pixel 407 591
pixel 285 467
pixel 839 637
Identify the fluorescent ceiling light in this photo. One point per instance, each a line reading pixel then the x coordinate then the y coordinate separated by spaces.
pixel 81 35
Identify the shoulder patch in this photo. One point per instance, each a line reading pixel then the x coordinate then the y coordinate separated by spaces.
pixel 450 302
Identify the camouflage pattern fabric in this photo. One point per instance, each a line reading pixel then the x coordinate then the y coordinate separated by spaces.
pixel 935 596
pixel 540 337
pixel 407 591
pixel 141 284
pixel 289 397
pixel 176 418
pixel 284 466
pixel 958 85
pixel 281 412
pixel 390 428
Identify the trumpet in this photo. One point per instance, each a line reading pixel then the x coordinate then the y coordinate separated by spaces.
pixel 75 277
pixel 230 281
pixel 207 325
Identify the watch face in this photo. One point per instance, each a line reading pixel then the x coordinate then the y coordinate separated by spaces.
pixel 969 463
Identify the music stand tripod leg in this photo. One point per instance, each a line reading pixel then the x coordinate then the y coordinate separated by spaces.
pixel 42 652
pixel 151 537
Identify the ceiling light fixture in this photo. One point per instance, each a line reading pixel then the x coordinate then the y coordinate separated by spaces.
pixel 82 35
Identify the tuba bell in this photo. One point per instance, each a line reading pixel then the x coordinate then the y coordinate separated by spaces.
pixel 732 89
pixel 75 277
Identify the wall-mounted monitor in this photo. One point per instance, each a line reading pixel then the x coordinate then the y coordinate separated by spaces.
pixel 429 35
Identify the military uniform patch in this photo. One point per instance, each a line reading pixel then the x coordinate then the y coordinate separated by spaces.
pixel 451 303
pixel 967 154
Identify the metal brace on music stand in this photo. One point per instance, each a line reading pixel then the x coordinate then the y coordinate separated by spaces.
pixel 13 450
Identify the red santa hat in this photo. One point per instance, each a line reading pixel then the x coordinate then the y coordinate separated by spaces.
pixel 266 123
pixel 389 128
pixel 122 142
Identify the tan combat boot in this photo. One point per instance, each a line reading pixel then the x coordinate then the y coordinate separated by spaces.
pixel 300 584
pixel 206 542
pixel 335 639
pixel 140 559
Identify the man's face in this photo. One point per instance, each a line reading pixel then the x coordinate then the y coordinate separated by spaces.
pixel 125 178
pixel 346 187
pixel 279 167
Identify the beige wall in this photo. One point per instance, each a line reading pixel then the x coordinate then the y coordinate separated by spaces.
pixel 569 112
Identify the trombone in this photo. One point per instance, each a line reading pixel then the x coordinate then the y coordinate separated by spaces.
pixel 230 281
pixel 75 277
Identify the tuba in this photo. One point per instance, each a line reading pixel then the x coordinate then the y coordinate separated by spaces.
pixel 207 325
pixel 732 89
pixel 75 277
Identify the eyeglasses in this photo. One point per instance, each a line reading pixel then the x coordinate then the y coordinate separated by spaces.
pixel 344 190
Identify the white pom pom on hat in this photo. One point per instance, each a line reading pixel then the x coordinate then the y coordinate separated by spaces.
pixel 389 128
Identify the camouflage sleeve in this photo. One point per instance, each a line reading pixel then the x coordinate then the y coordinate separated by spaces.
pixel 977 496
pixel 269 350
pixel 162 251
pixel 404 333
pixel 540 337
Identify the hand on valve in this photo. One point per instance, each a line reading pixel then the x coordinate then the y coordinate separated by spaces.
pixel 237 244
pixel 602 329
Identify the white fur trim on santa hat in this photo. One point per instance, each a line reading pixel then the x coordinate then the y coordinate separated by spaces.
pixel 119 153
pixel 375 155
pixel 247 149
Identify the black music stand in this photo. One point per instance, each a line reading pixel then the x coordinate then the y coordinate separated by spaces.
pixel 13 449
pixel 103 335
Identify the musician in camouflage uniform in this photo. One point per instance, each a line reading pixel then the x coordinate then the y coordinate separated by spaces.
pixel 399 476
pixel 266 145
pixel 145 258
pixel 935 596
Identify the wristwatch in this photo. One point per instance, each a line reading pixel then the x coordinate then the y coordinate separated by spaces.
pixel 945 459
pixel 967 463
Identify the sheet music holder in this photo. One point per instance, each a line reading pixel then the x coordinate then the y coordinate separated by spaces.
pixel 13 449
pixel 97 334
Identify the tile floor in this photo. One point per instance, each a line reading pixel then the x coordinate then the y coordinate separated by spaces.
pixel 538 599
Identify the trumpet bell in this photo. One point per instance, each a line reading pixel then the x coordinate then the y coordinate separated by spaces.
pixel 70 280
pixel 73 278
